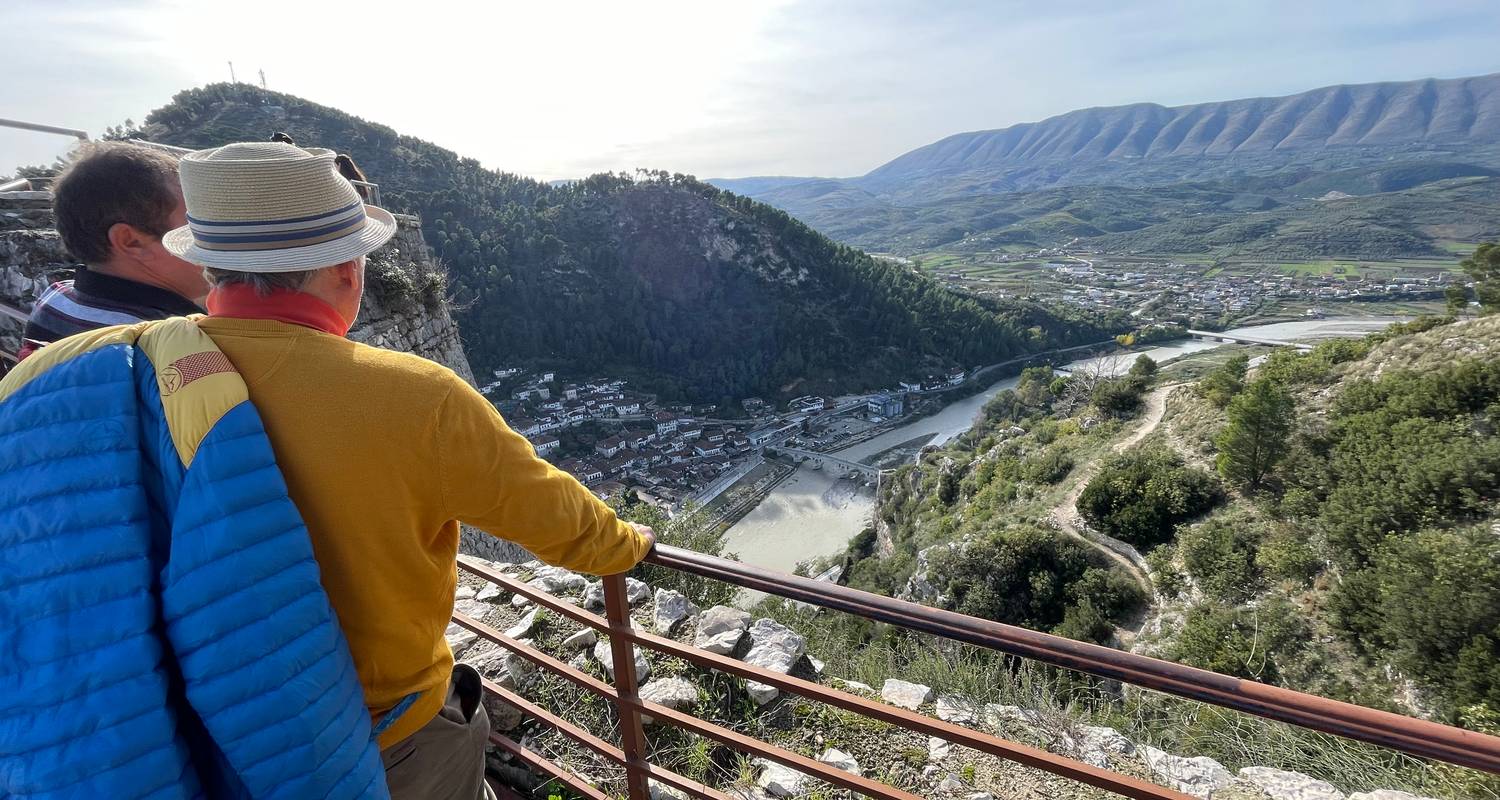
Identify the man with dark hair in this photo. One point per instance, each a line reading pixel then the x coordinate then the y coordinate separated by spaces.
pixel 113 204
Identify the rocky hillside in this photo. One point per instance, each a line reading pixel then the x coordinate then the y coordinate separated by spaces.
pixel 1323 521
pixel 690 290
pixel 926 766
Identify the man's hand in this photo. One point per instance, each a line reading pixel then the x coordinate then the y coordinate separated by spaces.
pixel 645 531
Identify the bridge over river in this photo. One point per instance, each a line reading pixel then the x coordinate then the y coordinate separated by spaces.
pixel 1238 338
pixel 822 459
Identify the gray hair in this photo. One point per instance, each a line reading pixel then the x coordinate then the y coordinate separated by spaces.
pixel 264 282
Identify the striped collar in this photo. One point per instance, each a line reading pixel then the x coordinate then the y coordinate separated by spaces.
pixel 241 301
pixel 122 294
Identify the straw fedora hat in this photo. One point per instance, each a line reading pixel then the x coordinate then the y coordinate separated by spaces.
pixel 272 207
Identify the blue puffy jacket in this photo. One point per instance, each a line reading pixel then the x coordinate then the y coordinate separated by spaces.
pixel 162 627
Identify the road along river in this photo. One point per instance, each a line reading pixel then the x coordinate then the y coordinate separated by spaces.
pixel 815 513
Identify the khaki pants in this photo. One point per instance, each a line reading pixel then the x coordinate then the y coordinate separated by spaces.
pixel 444 760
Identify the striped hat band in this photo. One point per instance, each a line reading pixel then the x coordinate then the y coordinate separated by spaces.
pixel 279 234
pixel 272 207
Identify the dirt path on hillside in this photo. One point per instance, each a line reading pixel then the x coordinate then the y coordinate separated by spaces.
pixel 1065 514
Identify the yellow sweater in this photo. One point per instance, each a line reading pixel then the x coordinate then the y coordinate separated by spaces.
pixel 384 454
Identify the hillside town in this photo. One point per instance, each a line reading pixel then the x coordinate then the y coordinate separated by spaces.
pixel 614 439
pixel 1192 294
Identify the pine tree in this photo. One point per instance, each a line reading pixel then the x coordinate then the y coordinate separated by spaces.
pixel 1260 418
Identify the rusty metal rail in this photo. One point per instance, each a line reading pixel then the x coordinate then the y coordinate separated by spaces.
pixel 1416 737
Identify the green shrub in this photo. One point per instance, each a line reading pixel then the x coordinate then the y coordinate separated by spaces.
pixel 1141 495
pixel 1427 604
pixel 1242 641
pixel 1220 555
pixel 1226 381
pixel 1027 576
pixel 1047 467
pixel 1119 396
pixel 1165 576
pixel 1286 555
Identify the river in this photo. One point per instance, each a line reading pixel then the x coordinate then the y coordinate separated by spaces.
pixel 815 513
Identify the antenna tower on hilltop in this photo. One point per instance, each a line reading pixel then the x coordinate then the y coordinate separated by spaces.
pixel 232 79
pixel 262 79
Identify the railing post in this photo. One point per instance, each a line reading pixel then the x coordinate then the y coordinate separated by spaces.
pixel 622 651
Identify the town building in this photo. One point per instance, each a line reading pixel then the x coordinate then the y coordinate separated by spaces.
pixel 885 406
pixel 546 444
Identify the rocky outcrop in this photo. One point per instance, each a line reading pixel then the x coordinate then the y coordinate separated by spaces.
pixel 720 629
pixel 405 307
pixel 31 257
pixel 775 647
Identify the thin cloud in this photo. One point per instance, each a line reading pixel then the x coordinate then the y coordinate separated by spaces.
pixel 793 87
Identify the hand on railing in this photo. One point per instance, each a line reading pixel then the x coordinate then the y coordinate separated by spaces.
pixel 646 531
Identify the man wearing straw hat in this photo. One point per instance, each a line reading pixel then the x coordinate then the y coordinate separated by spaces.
pixel 384 453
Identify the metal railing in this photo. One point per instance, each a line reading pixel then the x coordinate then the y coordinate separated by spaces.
pixel 39 128
pixel 1412 736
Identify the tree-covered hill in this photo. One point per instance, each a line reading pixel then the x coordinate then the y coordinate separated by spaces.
pixel 692 290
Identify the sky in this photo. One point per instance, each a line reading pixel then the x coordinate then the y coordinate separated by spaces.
pixel 557 89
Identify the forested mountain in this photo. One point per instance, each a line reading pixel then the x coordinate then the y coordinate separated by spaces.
pixel 694 291
pixel 1281 155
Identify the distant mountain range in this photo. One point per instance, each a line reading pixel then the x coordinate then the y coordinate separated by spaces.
pixel 1263 153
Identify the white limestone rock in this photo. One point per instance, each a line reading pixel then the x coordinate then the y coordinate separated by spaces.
pixel 503 715
pixel 520 601
pixel 558 581
pixel 838 759
pixel 995 714
pixel 1199 776
pixel 670 610
pixel 981 796
pixel 593 595
pixel 952 784
pixel 855 685
pixel 581 640
pixel 1095 743
pixel 463 593
pixel 518 667
pixel 488 593
pixel 905 694
pixel 677 694
pixel 459 639
pixel 1386 794
pixel 661 791
pixel 938 749
pixel 525 626
pixel 779 780
pixel 636 591
pixel 775 647
pixel 1283 785
pixel 472 608
pixel 720 629
pixel 606 660
pixel 955 709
